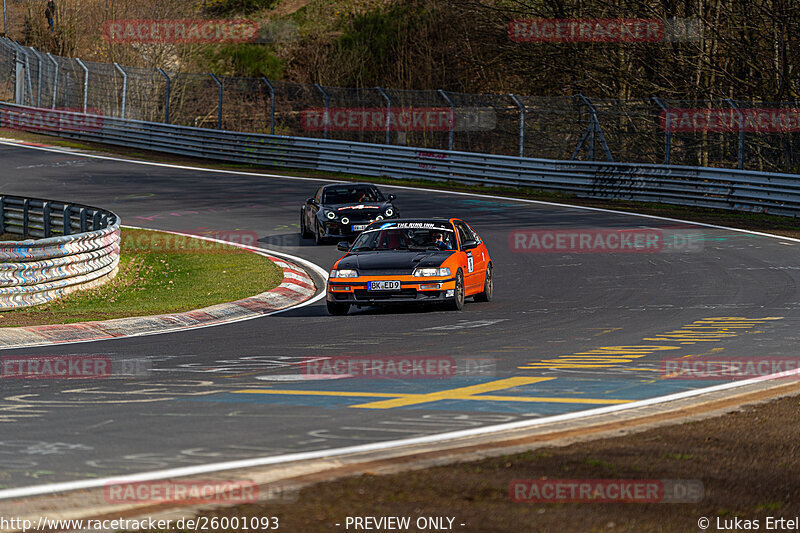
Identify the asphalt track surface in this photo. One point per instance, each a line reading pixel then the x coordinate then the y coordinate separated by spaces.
pixel 190 409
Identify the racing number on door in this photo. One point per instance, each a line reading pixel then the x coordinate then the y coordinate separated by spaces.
pixel 470 263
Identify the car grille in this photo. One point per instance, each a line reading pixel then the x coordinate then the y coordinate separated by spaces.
pixel 363 294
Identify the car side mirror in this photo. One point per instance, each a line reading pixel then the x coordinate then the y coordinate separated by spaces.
pixel 391 197
pixel 343 246
pixel 310 201
pixel 469 245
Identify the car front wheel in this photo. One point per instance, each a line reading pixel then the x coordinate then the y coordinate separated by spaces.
pixel 304 233
pixel 457 303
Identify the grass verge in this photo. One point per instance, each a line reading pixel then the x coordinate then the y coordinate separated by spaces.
pixel 160 273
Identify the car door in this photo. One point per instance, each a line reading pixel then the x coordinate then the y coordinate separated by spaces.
pixel 480 258
pixel 470 273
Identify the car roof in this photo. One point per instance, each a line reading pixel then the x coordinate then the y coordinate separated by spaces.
pixel 349 184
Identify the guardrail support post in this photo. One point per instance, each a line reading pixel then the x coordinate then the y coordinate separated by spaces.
pixel 740 151
pixel 271 105
pixel 26 206
pixel 521 125
pixel 124 89
pixel 2 215
pixel 67 219
pixel 85 85
pixel 84 220
pixel 46 219
pixel 166 97
pixel 55 80
pixel 96 221
pixel 667 130
pixel 388 115
pixel 451 139
pixel 219 101
pixel 325 118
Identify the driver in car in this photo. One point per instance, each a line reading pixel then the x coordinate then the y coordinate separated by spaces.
pixel 438 241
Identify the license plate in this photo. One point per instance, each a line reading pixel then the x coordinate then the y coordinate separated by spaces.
pixel 359 227
pixel 383 286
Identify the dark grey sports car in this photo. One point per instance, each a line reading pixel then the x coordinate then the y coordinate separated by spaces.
pixel 342 211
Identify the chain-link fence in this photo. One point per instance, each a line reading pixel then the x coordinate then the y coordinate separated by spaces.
pixel 718 133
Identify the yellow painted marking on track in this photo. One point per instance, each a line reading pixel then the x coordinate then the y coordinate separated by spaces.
pixel 453 394
pixel 463 393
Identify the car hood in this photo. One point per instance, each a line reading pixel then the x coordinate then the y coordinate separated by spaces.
pixel 393 260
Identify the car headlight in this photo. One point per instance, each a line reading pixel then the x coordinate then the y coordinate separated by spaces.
pixel 431 272
pixel 345 220
pixel 330 214
pixel 344 273
pixel 389 212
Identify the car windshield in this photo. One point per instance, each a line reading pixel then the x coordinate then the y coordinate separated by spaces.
pixel 351 195
pixel 405 239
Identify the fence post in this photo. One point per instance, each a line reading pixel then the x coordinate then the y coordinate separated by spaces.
pixel 219 101
pixel 593 132
pixel 46 219
pixel 667 130
pixel 166 97
pixel 451 139
pixel 85 85
pixel 67 219
pixel 326 101
pixel 271 105
pixel 388 114
pixel 124 88
pixel 38 77
pixel 740 155
pixel 521 125
pixel 19 90
pixel 2 215
pixel 26 207
pixel 55 80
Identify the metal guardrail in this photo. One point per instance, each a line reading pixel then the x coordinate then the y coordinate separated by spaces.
pixel 739 190
pixel 75 247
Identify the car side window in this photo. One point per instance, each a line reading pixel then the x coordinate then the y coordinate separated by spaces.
pixel 318 197
pixel 472 235
pixel 463 233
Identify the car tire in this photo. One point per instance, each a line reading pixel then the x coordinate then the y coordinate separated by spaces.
pixel 318 239
pixel 304 233
pixel 457 303
pixel 338 309
pixel 488 287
